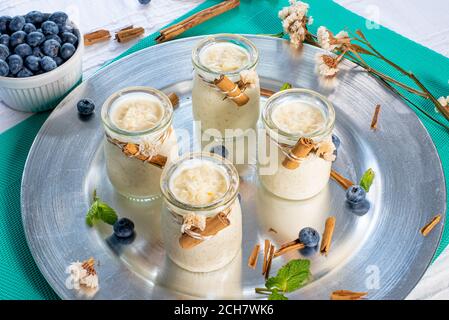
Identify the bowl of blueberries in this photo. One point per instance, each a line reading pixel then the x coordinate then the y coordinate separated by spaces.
pixel 40 59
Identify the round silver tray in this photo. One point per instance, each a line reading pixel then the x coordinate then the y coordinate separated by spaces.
pixel 382 252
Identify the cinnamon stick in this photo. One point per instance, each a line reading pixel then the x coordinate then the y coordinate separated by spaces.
pixel 375 118
pixel 132 150
pixel 96 36
pixel 129 33
pixel 327 235
pixel 301 150
pixel 296 246
pixel 432 224
pixel 196 19
pixel 231 90
pixel 266 249
pixel 252 261
pixel 174 99
pixel 266 92
pixel 347 295
pixel 213 225
pixel 269 261
pixel 342 181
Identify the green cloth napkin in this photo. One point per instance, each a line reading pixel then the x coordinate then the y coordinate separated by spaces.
pixel 19 275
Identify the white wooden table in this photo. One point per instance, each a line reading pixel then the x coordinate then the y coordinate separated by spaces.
pixel 423 22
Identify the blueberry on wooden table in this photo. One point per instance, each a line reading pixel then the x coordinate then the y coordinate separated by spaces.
pixel 309 237
pixel 85 107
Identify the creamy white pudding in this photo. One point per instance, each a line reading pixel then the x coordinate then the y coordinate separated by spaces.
pixel 140 118
pixel 196 189
pixel 236 58
pixel 288 116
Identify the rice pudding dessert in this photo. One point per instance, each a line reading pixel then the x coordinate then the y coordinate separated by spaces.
pixel 201 219
pixel 235 58
pixel 140 140
pixel 299 148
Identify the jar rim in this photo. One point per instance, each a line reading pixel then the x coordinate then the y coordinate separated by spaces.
pixel 165 121
pixel 225 200
pixel 226 37
pixel 272 127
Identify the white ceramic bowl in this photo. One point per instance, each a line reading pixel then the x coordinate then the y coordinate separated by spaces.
pixel 44 91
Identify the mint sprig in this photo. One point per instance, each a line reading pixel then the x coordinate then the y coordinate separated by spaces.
pixel 367 179
pixel 100 211
pixel 286 86
pixel 289 278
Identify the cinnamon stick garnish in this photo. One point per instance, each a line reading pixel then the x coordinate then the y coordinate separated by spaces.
pixel 342 181
pixel 96 36
pixel 301 150
pixel 266 92
pixel 132 150
pixel 296 246
pixel 213 225
pixel 129 33
pixel 327 235
pixel 375 117
pixel 252 261
pixel 269 261
pixel 231 90
pixel 174 99
pixel 347 295
pixel 432 224
pixel 266 249
pixel 196 19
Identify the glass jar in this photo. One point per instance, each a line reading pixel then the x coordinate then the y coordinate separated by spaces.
pixel 202 228
pixel 137 151
pixel 288 116
pixel 236 58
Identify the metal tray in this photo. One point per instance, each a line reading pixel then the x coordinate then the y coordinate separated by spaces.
pixel 382 252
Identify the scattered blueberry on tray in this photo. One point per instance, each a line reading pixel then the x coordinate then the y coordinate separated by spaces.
pixel 45 36
pixel 309 237
pixel 85 107
pixel 356 200
pixel 123 228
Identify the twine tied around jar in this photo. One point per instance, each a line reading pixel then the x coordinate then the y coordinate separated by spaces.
pixel 145 151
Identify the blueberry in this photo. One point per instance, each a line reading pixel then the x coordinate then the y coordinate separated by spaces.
pixel 16 23
pixel 144 1
pixel 51 48
pixel 49 27
pixel 15 63
pixel 34 17
pixel 54 37
pixel 58 61
pixel 37 52
pixel 4 23
pixel 4 68
pixel 85 107
pixel 35 38
pixel 308 251
pixel 23 50
pixel 4 52
pixel 359 208
pixel 29 27
pixel 24 73
pixel 59 17
pixel 123 228
pixel 220 150
pixel 48 64
pixel 67 50
pixel 16 38
pixel 68 37
pixel 336 141
pixel 66 28
pixel 355 194
pixel 4 39
pixel 33 63
pixel 309 237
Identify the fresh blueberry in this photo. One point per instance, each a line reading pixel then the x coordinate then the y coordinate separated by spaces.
pixel 123 228
pixel 54 37
pixel 49 27
pixel 4 68
pixel 4 39
pixel 359 208
pixel 355 194
pixel 68 37
pixel 336 141
pixel 16 23
pixel 24 73
pixel 15 63
pixel 34 17
pixel 309 237
pixel 16 38
pixel 144 1
pixel 37 52
pixel 4 23
pixel 58 61
pixel 308 251
pixel 23 50
pixel 220 150
pixel 67 50
pixel 29 27
pixel 48 64
pixel 4 52
pixel 85 107
pixel 33 63
pixel 59 17
pixel 35 38
pixel 51 48
pixel 67 28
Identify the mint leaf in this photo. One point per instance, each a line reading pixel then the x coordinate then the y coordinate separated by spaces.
pixel 92 214
pixel 285 86
pixel 367 179
pixel 290 277
pixel 275 295
pixel 107 214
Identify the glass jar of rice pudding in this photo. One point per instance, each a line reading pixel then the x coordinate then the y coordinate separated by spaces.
pixel 201 218
pixel 226 90
pixel 299 148
pixel 139 140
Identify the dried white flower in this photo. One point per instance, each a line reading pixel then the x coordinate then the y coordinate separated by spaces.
pixel 83 274
pixel 294 19
pixel 193 220
pixel 326 150
pixel 249 77
pixel 90 281
pixel 327 65
pixel 444 101
pixel 328 41
pixel 323 38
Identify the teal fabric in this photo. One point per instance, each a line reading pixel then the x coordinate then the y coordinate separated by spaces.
pixel 19 276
